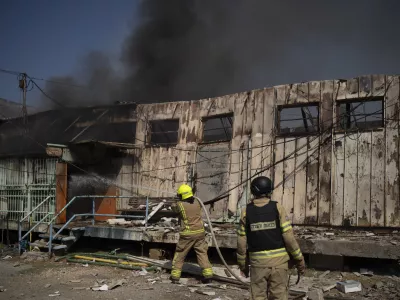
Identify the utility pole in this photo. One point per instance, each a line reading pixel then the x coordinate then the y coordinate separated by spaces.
pixel 22 85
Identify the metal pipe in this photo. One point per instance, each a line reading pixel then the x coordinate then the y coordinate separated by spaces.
pixel 63 227
pixel 93 210
pixel 85 196
pixel 109 215
pixel 37 224
pixel 40 204
pixel 19 237
pixel 50 239
pixel 147 211
pixel 96 215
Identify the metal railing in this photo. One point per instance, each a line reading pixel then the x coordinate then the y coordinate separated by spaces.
pixel 93 215
pixel 41 221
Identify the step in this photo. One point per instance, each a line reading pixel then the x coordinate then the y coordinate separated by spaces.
pixel 62 238
pixel 45 246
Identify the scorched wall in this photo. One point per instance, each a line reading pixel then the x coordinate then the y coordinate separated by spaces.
pixel 341 175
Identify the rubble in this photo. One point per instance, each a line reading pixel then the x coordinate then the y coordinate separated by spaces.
pixel 366 272
pixel 316 294
pixel 349 286
pixel 207 293
pixel 118 222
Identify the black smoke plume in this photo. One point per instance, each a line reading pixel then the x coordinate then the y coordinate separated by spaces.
pixel 191 49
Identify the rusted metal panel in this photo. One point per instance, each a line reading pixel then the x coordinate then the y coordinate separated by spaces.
pixel 299 208
pixel 378 179
pixel 326 122
pixel 212 175
pixel 392 209
pixel 350 179
pixel 106 205
pixel 337 180
pixel 61 191
pixel 312 180
pixel 364 179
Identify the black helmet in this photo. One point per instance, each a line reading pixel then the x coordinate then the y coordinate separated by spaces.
pixel 261 186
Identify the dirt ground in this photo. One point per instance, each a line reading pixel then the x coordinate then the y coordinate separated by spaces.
pixel 39 280
pixel 25 279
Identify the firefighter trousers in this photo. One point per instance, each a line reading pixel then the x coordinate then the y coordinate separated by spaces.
pixel 269 283
pixel 183 247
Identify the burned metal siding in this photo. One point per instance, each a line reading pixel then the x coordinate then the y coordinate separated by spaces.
pixel 335 177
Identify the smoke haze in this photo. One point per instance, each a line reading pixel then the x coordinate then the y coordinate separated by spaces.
pixel 192 49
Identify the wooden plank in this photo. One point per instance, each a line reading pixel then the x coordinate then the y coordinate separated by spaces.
pixel 337 180
pixel 347 89
pixel 61 191
pixel 392 209
pixel 365 86
pixel 312 180
pixel 288 169
pixel 364 179
pixel 350 180
pixel 268 131
pixel 292 95
pixel 279 150
pixel 235 171
pixel 277 194
pixel 303 93
pixel 378 85
pixel 145 168
pixel 300 193
pixel 257 132
pixel 314 88
pixel 325 163
pixel 378 179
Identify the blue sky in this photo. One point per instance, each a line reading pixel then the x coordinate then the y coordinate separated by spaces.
pixel 45 38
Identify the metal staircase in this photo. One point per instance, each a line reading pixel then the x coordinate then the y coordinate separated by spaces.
pixel 62 242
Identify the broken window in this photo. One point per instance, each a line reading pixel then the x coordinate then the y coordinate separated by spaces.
pixel 298 120
pixel 164 132
pixel 364 114
pixel 217 128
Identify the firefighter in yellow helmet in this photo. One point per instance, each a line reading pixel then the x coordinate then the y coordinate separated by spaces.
pixel 192 235
pixel 266 234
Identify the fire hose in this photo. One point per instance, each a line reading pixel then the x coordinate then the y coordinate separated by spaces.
pixel 219 251
pixel 216 244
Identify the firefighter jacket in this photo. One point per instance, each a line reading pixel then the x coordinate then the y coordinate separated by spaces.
pixel 191 220
pixel 266 234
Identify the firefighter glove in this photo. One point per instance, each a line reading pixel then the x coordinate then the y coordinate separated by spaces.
pixel 301 266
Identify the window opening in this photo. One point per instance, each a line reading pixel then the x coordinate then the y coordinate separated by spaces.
pixel 164 132
pixel 217 128
pixel 365 114
pixel 298 120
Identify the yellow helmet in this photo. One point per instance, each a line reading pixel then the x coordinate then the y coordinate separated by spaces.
pixel 185 192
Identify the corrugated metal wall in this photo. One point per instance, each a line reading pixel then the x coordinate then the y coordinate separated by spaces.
pixel 332 178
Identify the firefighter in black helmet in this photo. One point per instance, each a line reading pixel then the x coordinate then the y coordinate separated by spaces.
pixel 266 233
